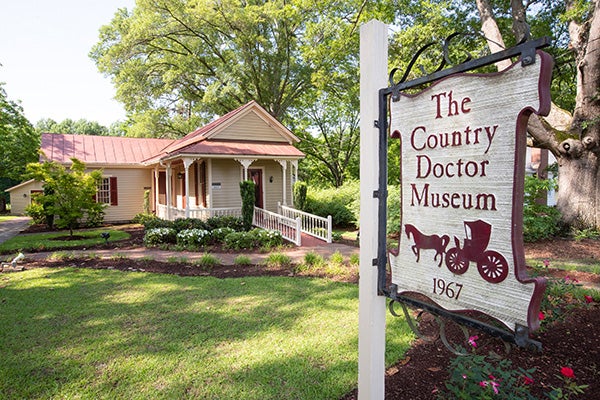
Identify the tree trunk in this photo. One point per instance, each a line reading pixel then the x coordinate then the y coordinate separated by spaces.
pixel 579 167
pixel 579 188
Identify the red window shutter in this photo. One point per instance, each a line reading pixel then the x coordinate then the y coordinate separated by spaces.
pixel 114 199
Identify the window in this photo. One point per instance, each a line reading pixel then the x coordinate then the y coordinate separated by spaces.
pixel 107 191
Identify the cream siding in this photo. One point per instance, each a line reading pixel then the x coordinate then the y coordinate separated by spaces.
pixel 20 197
pixel 131 184
pixel 227 173
pixel 250 127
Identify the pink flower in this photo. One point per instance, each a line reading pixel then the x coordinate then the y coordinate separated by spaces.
pixel 527 380
pixel 495 386
pixel 588 299
pixel 546 263
pixel 541 316
pixel 567 372
pixel 483 383
pixel 472 340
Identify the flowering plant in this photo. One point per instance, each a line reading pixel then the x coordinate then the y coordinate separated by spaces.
pixel 475 376
pixel 567 375
pixel 192 237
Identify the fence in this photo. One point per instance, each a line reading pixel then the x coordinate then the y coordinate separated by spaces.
pixel 313 225
pixel 290 228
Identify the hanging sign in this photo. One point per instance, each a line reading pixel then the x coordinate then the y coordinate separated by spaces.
pixel 462 162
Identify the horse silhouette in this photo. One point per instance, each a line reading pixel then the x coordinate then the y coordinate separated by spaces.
pixel 436 242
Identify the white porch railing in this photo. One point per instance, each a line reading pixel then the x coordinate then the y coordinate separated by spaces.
pixel 290 228
pixel 313 225
pixel 198 213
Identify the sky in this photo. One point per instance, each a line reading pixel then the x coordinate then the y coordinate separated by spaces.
pixel 44 47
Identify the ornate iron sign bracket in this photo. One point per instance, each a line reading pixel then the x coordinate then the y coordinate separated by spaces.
pixel 497 269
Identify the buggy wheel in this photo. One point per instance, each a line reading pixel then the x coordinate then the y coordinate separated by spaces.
pixel 492 267
pixel 455 261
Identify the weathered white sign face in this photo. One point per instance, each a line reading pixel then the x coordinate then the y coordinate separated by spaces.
pixel 463 146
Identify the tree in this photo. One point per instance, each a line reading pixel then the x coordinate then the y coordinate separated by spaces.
pixel 329 129
pixel 177 63
pixel 79 127
pixel 574 139
pixel 69 195
pixel 20 143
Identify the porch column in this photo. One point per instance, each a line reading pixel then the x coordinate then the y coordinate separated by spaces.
pixel 283 164
pixel 246 162
pixel 156 174
pixel 187 162
pixel 294 164
pixel 169 190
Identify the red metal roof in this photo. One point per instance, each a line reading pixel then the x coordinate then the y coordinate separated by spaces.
pixel 241 148
pixel 114 150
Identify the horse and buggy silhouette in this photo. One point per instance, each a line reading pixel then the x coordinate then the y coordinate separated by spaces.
pixel 491 265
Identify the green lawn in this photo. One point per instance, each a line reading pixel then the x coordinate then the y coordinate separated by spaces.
pixel 48 241
pixel 101 334
pixel 6 218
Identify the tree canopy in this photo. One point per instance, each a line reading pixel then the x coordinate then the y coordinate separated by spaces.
pixel 178 63
pixel 20 142
pixel 81 127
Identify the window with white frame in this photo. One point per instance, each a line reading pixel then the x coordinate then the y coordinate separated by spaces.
pixel 103 193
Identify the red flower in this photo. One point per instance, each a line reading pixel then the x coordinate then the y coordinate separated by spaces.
pixel 567 372
pixel 527 380
pixel 541 316
pixel 588 299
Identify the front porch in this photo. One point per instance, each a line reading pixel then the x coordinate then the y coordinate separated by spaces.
pixel 291 223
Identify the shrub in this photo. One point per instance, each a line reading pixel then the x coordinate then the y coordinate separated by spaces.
pixel 394 210
pixel 539 221
pixel 154 223
pixel 300 195
pixel 225 221
pixel 255 238
pixel 181 224
pixel 193 237
pixel 248 198
pixel 340 203
pixel 218 235
pixel 267 238
pixel 36 212
pixel 159 236
pixel 239 241
pixel 143 218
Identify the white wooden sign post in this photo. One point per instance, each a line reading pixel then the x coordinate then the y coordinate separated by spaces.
pixel 371 309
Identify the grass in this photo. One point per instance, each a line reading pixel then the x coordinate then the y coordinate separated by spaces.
pixel 583 265
pixel 208 261
pixel 242 259
pixel 51 241
pixel 7 218
pixel 79 333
